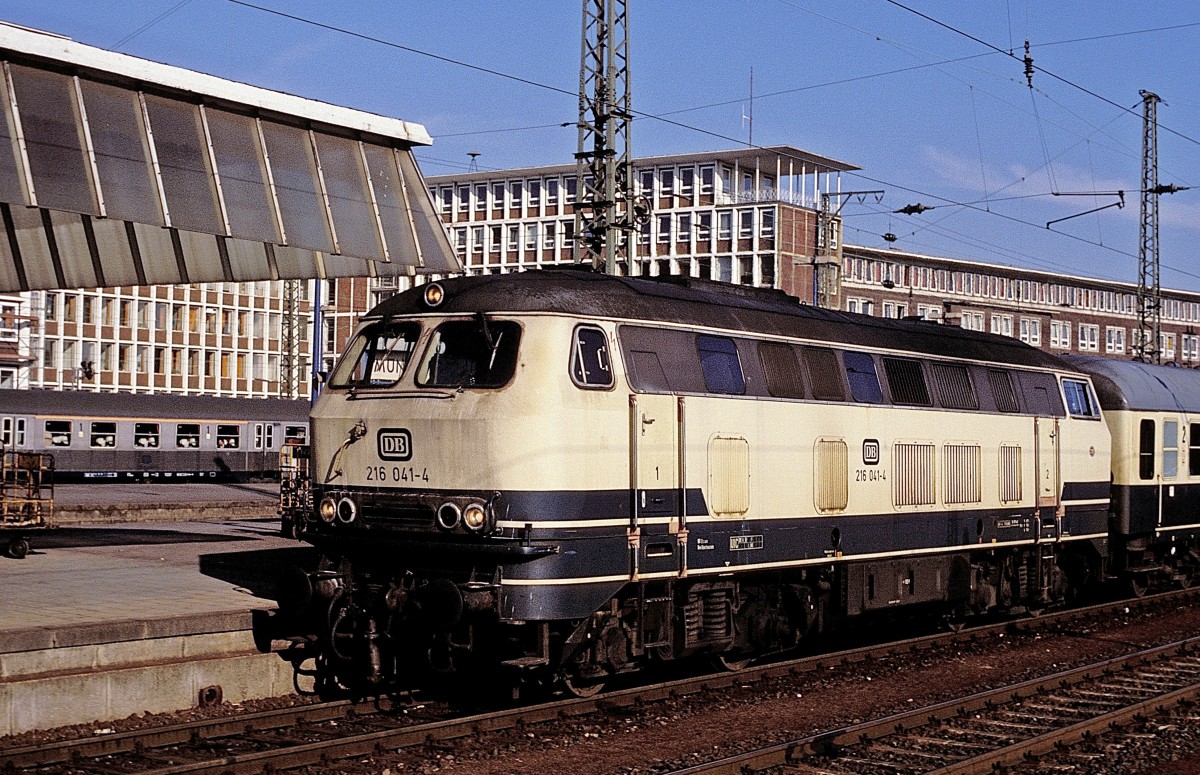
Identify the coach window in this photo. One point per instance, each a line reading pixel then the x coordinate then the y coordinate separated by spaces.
pixel 1146 450
pixel 377 357
pixel 58 433
pixel 906 379
pixel 187 435
pixel 145 434
pixel 227 437
pixel 782 370
pixel 864 381
pixel 824 374
pixel 264 435
pixel 104 434
pixel 591 365
pixel 479 353
pixel 1170 449
pixel 1080 401
pixel 720 364
pixel 297 432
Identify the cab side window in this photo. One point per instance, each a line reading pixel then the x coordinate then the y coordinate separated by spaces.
pixel 591 361
pixel 1080 401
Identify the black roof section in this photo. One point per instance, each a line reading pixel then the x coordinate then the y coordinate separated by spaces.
pixel 151 406
pixel 1141 387
pixel 690 301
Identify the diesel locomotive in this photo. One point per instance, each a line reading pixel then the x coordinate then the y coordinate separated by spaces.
pixel 569 475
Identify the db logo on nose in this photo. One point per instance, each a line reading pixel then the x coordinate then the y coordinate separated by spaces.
pixel 871 452
pixel 394 444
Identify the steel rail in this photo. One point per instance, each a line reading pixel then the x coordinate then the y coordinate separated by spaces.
pixel 147 741
pixel 790 753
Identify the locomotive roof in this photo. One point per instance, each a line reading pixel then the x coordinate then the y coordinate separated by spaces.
pixel 1143 387
pixel 79 403
pixel 690 301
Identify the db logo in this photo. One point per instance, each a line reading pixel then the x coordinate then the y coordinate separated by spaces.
pixel 871 452
pixel 394 444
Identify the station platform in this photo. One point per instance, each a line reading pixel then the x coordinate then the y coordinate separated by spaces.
pixel 100 622
pixel 162 502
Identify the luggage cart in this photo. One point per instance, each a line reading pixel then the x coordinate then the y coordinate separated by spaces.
pixel 26 498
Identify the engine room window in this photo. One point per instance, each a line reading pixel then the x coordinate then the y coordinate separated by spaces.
pixel 145 434
pixel 477 353
pixel 377 357
pixel 907 381
pixel 823 371
pixel 187 435
pixel 720 364
pixel 864 381
pixel 1002 391
pixel 228 437
pixel 58 433
pixel 591 364
pixel 954 386
pixel 782 369
pixel 104 434
pixel 1080 402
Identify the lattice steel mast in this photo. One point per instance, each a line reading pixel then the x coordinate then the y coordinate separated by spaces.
pixel 1149 294
pixel 603 208
pixel 289 345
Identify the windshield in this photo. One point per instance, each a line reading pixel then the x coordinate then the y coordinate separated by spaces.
pixel 377 357
pixel 478 353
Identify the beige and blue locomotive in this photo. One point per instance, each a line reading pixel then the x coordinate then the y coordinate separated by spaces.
pixel 569 474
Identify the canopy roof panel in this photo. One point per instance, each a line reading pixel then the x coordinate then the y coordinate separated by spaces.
pixel 119 171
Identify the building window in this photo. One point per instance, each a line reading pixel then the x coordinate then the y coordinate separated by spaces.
pixel 570 189
pixel 766 224
pixel 531 236
pixel 664 228
pixel 535 193
pixel 481 196
pixel 685 227
pixel 1031 331
pixel 725 225
pixel 1114 340
pixel 704 226
pixel 1089 337
pixel 667 179
pixel 646 182
pixel 745 224
pixel 552 192
pixel 1189 347
pixel 516 194
pixel 1166 345
pixel 972 321
pixel 687 181
pixel 498 195
pixel 1002 324
pixel 706 179
pixel 1060 334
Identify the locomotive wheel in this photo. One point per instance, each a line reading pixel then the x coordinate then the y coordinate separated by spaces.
pixel 579 687
pixel 18 548
pixel 1138 586
pixel 729 662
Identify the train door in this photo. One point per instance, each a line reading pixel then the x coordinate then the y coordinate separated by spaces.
pixel 657 499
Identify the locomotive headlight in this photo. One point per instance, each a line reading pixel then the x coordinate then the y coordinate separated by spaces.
pixel 475 517
pixel 328 509
pixel 347 511
pixel 435 294
pixel 448 516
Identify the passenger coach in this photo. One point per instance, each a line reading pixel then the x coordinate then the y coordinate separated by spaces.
pixel 572 471
pixel 105 437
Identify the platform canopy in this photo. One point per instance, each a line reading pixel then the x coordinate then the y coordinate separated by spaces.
pixel 116 170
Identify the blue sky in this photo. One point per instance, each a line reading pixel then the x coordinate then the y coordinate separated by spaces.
pixel 926 106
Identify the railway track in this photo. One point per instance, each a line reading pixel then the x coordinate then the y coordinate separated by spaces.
pixel 988 730
pixel 316 735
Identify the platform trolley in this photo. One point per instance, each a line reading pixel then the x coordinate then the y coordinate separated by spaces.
pixel 26 498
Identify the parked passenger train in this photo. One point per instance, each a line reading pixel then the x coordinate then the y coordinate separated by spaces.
pixel 122 437
pixel 568 475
